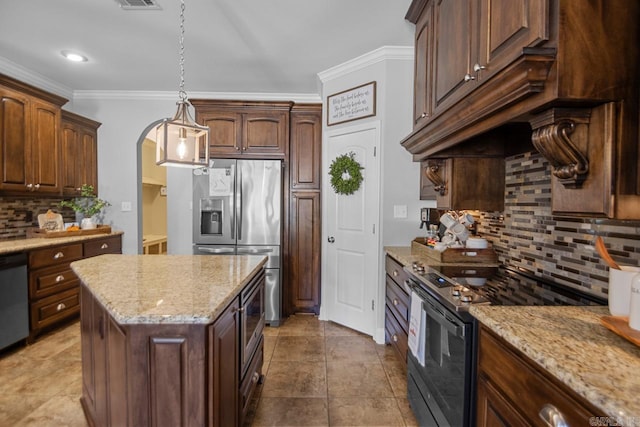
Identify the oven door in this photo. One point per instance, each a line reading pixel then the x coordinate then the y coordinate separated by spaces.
pixel 444 385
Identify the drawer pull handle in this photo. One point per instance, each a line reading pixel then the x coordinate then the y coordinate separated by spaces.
pixel 395 302
pixel 104 246
pixel 256 377
pixel 395 273
pixel 552 416
pixel 60 307
pixel 238 310
pixel 58 255
pixel 59 278
pixel 395 338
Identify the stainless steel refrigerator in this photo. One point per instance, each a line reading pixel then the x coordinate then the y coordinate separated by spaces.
pixel 237 209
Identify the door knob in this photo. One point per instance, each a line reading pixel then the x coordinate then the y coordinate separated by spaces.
pixel 331 239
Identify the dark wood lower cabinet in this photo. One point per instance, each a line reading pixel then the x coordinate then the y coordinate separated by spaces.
pixel 165 374
pixel 515 391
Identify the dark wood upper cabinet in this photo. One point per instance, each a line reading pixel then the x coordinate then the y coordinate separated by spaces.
pixel 29 138
pixel 306 146
pixel 79 160
pixel 564 70
pixel 247 129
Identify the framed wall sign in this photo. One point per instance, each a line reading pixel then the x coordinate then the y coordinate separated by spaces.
pixel 352 104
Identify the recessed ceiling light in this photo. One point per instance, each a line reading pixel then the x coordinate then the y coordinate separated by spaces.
pixel 73 56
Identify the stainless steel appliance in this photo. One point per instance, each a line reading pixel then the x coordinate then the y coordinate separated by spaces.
pixel 442 391
pixel 237 209
pixel 14 299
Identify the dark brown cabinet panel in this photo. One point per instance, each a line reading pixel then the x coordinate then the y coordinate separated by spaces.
pixel 423 80
pixel 79 160
pixel 397 303
pixel 251 129
pixel 29 138
pixel 305 243
pixel 306 147
pixel 504 372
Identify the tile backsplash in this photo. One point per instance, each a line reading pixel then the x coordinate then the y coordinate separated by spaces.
pixel 17 214
pixel 557 248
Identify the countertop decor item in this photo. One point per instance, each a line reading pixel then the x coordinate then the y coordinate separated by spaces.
pixel 604 253
pixel 345 174
pixel 180 141
pixel 620 325
pixel 39 232
pixel 88 204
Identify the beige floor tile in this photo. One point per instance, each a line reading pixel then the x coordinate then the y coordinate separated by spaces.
pixel 397 375
pixel 352 348
pixel 271 331
pixel 302 325
pixel 300 348
pixel 334 329
pixel 15 407
pixel 291 412
pixel 357 379
pixel 364 412
pixel 269 346
pixel 407 413
pixel 58 411
pixel 295 379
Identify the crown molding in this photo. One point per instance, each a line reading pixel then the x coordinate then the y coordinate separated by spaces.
pixel 173 95
pixel 35 79
pixel 402 53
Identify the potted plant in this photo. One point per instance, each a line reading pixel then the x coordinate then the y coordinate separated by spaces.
pixel 87 205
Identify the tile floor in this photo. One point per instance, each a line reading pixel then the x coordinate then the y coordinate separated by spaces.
pixel 316 374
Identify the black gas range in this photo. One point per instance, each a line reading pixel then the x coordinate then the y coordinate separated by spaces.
pixel 441 378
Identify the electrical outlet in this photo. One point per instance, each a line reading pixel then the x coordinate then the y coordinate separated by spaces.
pixel 126 207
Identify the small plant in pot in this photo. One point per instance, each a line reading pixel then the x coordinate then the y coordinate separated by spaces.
pixel 87 205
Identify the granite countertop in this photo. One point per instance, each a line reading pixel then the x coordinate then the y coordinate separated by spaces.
pixel 572 345
pixel 166 288
pixel 22 245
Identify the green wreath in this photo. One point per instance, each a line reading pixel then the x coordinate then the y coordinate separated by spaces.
pixel 345 174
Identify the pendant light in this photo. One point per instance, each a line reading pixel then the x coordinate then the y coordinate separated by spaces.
pixel 180 141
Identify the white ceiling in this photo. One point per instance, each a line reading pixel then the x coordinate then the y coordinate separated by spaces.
pixel 266 46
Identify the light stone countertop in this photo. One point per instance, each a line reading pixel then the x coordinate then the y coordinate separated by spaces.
pixel 22 245
pixel 573 346
pixel 166 288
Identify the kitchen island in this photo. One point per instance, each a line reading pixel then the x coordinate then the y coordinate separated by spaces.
pixel 170 340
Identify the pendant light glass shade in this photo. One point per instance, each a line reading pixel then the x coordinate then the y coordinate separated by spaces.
pixel 181 141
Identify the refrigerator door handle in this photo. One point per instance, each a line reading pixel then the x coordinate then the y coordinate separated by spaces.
pixel 217 251
pixel 232 207
pixel 239 219
pixel 254 251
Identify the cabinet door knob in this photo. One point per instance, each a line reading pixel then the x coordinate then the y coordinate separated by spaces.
pixel 552 416
pixel 395 302
pixel 478 67
pixel 58 255
pixel 59 278
pixel 468 77
pixel 237 148
pixel 104 246
pixel 423 115
pixel 36 186
pixel 29 186
pixel 395 273
pixel 60 307
pixel 395 338
pixel 256 377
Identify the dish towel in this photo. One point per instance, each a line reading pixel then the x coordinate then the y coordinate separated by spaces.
pixel 417 323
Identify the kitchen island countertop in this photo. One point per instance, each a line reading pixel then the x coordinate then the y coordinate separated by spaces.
pixel 572 345
pixel 150 289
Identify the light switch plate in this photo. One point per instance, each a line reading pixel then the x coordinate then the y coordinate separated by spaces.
pixel 126 207
pixel 399 211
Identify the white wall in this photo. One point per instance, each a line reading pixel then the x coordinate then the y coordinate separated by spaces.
pixel 392 69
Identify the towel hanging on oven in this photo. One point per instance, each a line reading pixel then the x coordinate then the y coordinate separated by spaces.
pixel 417 323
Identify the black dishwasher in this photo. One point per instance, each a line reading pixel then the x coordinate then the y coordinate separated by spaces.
pixel 14 299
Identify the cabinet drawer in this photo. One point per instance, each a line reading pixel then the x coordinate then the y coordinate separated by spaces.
pixel 510 373
pixel 395 335
pixel 54 308
pixel 399 303
pixel 110 245
pixel 48 281
pixel 251 379
pixel 394 269
pixel 55 255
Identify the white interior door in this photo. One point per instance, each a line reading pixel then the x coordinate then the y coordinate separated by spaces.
pixel 351 244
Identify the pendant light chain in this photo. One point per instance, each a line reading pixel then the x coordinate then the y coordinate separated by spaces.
pixel 182 94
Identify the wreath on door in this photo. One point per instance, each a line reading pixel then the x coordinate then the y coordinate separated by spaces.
pixel 345 174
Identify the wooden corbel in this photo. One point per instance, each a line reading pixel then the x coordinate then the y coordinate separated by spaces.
pixel 561 136
pixel 439 185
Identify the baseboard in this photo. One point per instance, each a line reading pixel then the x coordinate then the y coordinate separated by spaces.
pixel 379 336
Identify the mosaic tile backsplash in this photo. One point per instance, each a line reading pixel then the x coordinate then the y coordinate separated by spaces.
pixel 18 214
pixel 557 248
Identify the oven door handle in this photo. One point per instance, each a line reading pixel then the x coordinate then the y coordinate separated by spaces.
pixel 449 324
